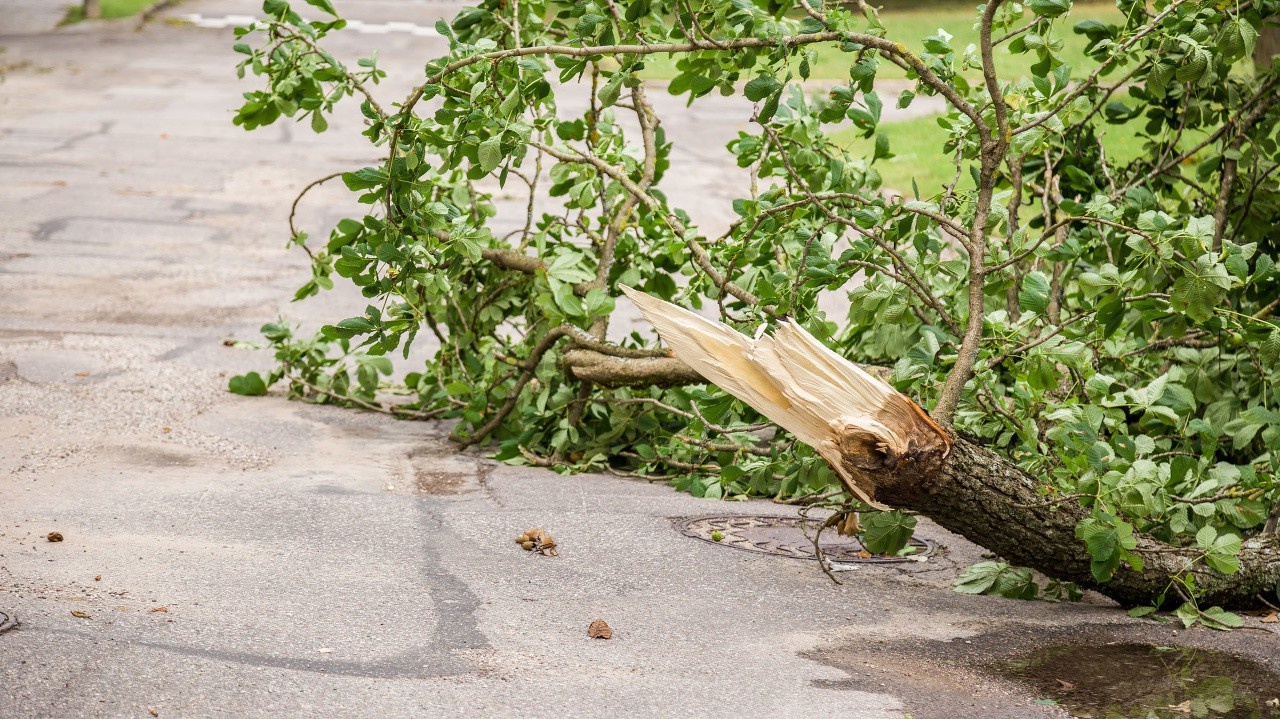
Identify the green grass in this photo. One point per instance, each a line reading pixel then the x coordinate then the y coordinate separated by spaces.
pixel 917 147
pixel 918 151
pixel 110 9
pixel 912 26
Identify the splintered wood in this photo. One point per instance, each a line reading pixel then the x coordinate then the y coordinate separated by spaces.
pixel 536 540
pixel 861 425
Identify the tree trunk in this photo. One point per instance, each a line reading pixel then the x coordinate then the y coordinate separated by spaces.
pixel 982 497
pixel 888 451
pixel 91 9
pixel 1268 44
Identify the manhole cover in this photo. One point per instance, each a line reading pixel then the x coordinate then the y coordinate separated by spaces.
pixel 784 537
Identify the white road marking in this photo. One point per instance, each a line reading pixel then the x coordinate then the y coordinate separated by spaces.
pixel 357 25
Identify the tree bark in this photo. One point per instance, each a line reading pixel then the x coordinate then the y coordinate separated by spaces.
pixel 609 371
pixel 1267 45
pixel 984 498
pixel 91 9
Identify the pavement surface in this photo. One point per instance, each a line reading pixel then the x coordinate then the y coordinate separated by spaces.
pixel 255 557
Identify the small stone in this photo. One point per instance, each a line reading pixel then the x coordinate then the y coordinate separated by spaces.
pixel 54 536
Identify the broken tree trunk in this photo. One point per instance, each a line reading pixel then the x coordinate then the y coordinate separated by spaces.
pixel 981 496
pixel 887 451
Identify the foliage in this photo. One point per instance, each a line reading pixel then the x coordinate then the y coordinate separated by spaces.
pixel 109 9
pixel 1105 322
pixel 1005 580
pixel 887 532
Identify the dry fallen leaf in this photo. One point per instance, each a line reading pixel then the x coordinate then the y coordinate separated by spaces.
pixel 536 540
pixel 82 374
pixel 1066 685
pixel 79 614
pixel 599 630
pixel 848 525
pixel 153 712
pixel 1271 618
pixel 160 609
pixel 1183 708
pixel 54 536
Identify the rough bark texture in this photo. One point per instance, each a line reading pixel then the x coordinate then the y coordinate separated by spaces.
pixel 1268 44
pixel 981 496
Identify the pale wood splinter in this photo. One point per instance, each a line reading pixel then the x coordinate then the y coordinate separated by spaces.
pixel 862 426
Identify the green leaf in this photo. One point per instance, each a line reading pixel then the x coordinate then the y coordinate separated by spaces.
pixel 1049 8
pixel 769 108
pixel 887 532
pixel 324 5
pixel 275 8
pixel 467 246
pixel 490 153
pixel 1269 348
pixel 1219 618
pixel 761 87
pixel 357 324
pixel 1109 541
pixel 979 578
pixel 1188 614
pixel 608 94
pixel 1200 291
pixel 365 178
pixel 249 385
pixel 379 363
pixel 1034 295
pixel 1193 67
pixel 1223 554
pixel 999 578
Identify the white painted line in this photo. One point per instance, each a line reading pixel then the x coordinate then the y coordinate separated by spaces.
pixel 356 25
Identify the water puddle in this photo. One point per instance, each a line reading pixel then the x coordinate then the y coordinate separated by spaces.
pixel 1141 681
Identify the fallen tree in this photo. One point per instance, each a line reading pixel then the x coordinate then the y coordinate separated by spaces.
pixel 886 449
pixel 1085 305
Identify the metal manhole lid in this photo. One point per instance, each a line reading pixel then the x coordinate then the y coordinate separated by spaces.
pixel 784 536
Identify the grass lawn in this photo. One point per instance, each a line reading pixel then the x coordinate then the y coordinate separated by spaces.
pixel 918 148
pixel 911 26
pixel 110 9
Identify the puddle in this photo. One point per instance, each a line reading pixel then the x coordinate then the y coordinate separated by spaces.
pixel 1141 681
